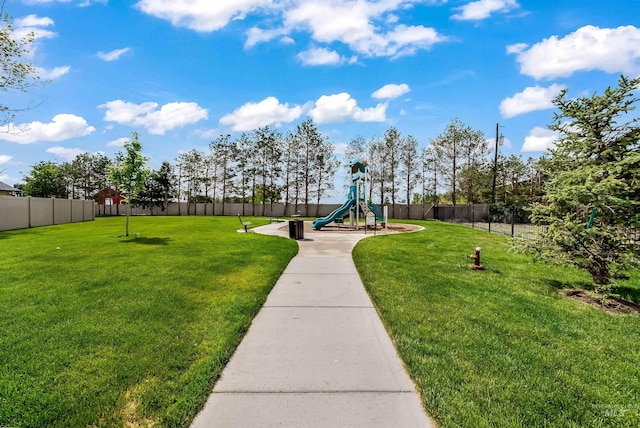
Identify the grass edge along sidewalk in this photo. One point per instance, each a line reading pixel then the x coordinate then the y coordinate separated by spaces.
pixel 500 347
pixel 103 330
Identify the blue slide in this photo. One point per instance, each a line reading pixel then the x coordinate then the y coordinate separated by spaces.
pixel 337 213
pixel 376 210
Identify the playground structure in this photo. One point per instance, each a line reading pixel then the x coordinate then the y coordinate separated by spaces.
pixel 357 202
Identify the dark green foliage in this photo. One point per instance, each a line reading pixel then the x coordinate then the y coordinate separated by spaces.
pixel 45 180
pixel 595 165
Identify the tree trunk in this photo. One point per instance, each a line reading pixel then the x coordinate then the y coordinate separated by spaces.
pixel 126 227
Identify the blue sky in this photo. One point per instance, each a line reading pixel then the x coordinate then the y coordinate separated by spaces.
pixel 183 72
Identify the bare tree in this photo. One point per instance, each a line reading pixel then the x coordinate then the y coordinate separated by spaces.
pixel 451 148
pixel 242 153
pixel 222 150
pixel 409 172
pixel 391 153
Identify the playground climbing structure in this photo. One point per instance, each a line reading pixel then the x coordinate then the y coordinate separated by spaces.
pixel 357 203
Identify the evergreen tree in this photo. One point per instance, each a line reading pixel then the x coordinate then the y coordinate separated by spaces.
pixel 591 202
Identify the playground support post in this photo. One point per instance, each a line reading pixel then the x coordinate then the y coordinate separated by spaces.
pixel 358 206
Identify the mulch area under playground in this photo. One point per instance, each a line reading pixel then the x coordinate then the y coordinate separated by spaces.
pixel 344 228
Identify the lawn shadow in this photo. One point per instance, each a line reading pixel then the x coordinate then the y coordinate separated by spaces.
pixel 564 285
pixel 147 241
pixel 630 294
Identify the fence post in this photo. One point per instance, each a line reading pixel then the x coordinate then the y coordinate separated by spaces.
pixel 513 219
pixel 29 209
pixel 473 216
pixel 490 206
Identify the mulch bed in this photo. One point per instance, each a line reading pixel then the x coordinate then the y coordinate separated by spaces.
pixel 610 304
pixel 334 228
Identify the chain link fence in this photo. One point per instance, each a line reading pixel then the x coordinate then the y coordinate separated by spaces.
pixel 504 220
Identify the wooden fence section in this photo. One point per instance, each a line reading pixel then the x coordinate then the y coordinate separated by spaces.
pixel 416 212
pixel 21 213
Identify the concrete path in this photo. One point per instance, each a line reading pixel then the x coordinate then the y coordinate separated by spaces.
pixel 317 354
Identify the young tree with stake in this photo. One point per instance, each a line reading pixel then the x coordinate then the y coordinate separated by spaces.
pixel 130 175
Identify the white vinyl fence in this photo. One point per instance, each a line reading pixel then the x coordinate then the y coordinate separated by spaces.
pixel 20 213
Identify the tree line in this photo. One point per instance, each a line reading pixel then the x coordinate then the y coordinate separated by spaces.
pixel 456 167
pixel 264 167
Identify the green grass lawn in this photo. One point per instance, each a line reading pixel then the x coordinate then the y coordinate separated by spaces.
pixel 501 348
pixel 103 330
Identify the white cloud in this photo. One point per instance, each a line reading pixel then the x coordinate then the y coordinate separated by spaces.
pixel 338 108
pixel 539 140
pixel 391 90
pixel 257 35
pixel 65 153
pixel 113 55
pixel 29 24
pixel 53 73
pixel 320 56
pixel 613 50
pixel 335 108
pixel 368 27
pixel 62 127
pixel 357 24
pixel 119 142
pixel 407 40
pixel 200 15
pixel 482 9
pixel 532 98
pixel 35 25
pixel 173 115
pixel 340 148
pixel 81 3
pixel 156 121
pixel 517 48
pixel 4 159
pixel 33 21
pixel 126 113
pixel 266 112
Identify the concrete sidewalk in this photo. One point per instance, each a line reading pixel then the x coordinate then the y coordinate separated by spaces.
pixel 317 354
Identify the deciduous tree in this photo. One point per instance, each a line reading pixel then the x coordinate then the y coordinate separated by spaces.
pixel 45 180
pixel 131 173
pixel 17 74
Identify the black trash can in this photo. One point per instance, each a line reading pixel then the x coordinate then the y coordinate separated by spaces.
pixel 300 228
pixel 293 231
pixel 296 229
